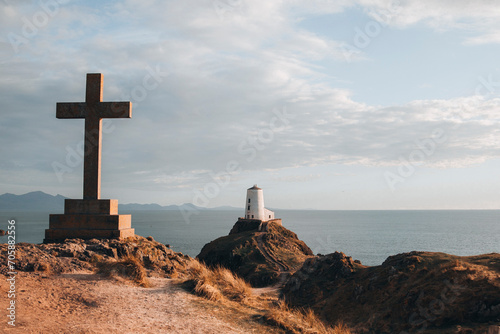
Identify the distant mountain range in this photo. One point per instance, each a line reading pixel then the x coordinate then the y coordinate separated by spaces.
pixel 40 201
pixel 33 201
pixel 185 206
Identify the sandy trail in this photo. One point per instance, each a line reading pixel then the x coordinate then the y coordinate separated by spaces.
pixel 86 303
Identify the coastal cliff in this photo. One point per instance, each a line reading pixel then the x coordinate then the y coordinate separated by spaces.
pixel 417 292
pixel 262 258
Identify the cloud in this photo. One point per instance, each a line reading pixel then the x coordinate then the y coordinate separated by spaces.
pixel 487 38
pixel 479 18
pixel 225 74
pixel 445 13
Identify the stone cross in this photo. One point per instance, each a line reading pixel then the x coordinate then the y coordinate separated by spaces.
pixel 93 110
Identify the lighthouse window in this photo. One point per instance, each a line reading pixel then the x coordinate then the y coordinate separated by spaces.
pixel 269 216
pixel 249 207
pixel 249 200
pixel 252 216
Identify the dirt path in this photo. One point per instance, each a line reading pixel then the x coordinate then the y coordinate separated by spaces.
pixel 86 303
pixel 283 269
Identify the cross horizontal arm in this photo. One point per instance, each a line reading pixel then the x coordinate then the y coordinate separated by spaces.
pixel 102 109
pixel 71 110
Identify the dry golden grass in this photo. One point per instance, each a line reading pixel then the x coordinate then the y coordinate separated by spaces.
pixel 472 271
pixel 300 321
pixel 129 267
pixel 233 287
pixel 217 284
pixel 222 286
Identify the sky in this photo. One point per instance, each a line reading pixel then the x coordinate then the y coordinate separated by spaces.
pixel 334 105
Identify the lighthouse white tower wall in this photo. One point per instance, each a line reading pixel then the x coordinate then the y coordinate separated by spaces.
pixel 268 214
pixel 254 208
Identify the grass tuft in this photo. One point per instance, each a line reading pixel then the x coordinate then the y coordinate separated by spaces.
pixel 208 291
pixel 216 284
pixel 231 285
pixel 298 321
pixel 129 267
pixel 221 285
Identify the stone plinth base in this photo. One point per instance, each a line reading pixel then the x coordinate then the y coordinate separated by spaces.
pixel 88 219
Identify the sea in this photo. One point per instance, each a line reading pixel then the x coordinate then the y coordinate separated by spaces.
pixel 368 236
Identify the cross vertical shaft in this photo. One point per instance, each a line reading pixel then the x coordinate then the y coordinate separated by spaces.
pixel 93 138
pixel 91 217
pixel 93 110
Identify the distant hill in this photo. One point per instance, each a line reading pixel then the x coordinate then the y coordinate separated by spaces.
pixel 40 201
pixel 225 208
pixel 145 207
pixel 185 207
pixel 33 201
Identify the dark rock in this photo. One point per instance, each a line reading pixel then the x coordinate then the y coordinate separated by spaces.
pixel 69 249
pixel 240 252
pixel 245 226
pixel 328 269
pixel 76 254
pixel 403 260
pixel 411 292
pixel 103 249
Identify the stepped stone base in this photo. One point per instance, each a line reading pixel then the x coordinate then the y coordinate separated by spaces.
pixel 89 219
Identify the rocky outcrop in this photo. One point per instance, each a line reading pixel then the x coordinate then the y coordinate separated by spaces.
pixel 261 258
pixel 417 292
pixel 245 225
pixel 77 254
pixel 306 285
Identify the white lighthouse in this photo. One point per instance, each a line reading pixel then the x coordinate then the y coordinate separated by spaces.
pixel 254 206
